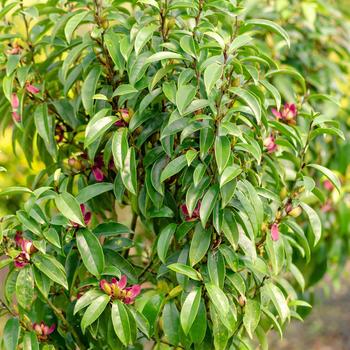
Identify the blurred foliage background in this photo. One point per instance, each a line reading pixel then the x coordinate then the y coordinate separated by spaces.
pixel 319 31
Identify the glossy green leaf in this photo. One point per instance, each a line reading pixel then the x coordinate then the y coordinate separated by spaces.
pixel 51 268
pixel 94 310
pixel 90 251
pixel 329 174
pixel 222 149
pixel 11 334
pixel 315 222
pixel 211 76
pixel 200 244
pixel 88 89
pixel 143 36
pixel 69 207
pixel 164 241
pixel 25 287
pixel 185 270
pixel 251 101
pixel 175 166
pixel 123 322
pixel 184 96
pixel 73 23
pixel 251 316
pixel 273 26
pixel 189 309
pixel 120 147
pixel 93 191
pixel 208 203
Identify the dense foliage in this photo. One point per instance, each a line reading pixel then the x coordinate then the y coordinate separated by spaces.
pixel 210 126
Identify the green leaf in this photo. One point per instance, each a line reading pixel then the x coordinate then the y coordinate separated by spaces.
pixel 11 333
pixel 229 174
pixel 239 41
pixel 91 252
pixel 93 191
pixel 200 244
pixel 97 127
pixel 273 26
pixel 120 147
pixel 221 304
pixel 111 228
pixel 25 287
pixel 171 322
pixel 69 207
pixel 51 236
pixel 291 72
pixel 199 326
pixel 129 171
pixel 30 341
pixel 273 91
pixel 45 125
pixel 329 175
pixel 216 268
pixel 315 222
pixel 189 309
pixel 42 282
pixel 208 203
pixel 175 166
pixel 88 89
pixel 251 316
pixel 143 36
pixel 211 76
pixel 164 55
pixel 278 299
pixel 251 101
pixel 124 89
pixel 51 268
pixel 13 190
pixel 185 270
pixel 73 23
pixel 184 96
pixel 164 241
pixel 94 310
pixel 123 323
pixel 86 299
pixel 29 222
pixel 222 149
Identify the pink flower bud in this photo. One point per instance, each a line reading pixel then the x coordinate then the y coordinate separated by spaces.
pixel 270 144
pixel 32 89
pixel 328 185
pixel 288 113
pixel 16 117
pixel 275 234
pixel 98 174
pixel 14 101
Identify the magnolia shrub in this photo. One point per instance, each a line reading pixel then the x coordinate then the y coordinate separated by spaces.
pixel 179 200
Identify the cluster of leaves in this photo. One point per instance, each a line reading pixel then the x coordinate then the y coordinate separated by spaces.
pixel 320 52
pixel 172 109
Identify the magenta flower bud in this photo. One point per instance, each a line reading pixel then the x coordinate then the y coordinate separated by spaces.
pixel 120 123
pixel 117 289
pixel 98 174
pixel 105 286
pixel 288 113
pixel 18 238
pixel 14 101
pixel 132 293
pixel 270 144
pixel 42 330
pixel 275 234
pixel 28 247
pixel 328 185
pixel 21 260
pixel 32 89
pixel 195 214
pixel 16 117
